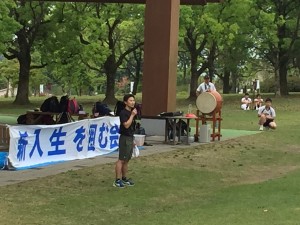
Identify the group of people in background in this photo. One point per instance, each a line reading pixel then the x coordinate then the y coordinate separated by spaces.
pixel 247 101
pixel 266 113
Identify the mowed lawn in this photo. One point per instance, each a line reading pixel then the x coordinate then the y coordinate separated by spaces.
pixel 251 180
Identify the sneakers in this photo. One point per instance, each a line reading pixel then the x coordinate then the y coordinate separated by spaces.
pixel 128 182
pixel 122 183
pixel 118 183
pixel 261 128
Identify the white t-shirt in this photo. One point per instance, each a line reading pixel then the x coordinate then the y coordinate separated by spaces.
pixel 204 87
pixel 269 112
pixel 244 100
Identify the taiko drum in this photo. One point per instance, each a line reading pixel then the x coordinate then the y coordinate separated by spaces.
pixel 209 102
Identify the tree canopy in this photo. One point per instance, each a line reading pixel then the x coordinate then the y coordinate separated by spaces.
pixel 84 46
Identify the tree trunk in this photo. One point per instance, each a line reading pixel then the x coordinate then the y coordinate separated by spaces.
pixel 110 89
pixel 234 81
pixel 24 58
pixel 22 97
pixel 226 86
pixel 194 75
pixel 276 80
pixel 283 80
pixel 137 77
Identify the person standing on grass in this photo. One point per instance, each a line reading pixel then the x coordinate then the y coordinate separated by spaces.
pixel 126 142
pixel 206 86
pixel 266 116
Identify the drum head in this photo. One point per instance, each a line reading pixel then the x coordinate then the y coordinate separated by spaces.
pixel 206 102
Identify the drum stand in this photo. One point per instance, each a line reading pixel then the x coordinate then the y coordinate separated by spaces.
pixel 216 118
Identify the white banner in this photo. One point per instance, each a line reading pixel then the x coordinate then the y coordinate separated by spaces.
pixel 37 144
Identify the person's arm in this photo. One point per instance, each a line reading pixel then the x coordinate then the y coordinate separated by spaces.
pixel 259 112
pixel 128 123
pixel 198 90
pixel 273 114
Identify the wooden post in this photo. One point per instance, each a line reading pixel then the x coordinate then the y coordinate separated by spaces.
pixel 161 51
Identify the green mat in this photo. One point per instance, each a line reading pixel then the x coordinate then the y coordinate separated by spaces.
pixel 230 133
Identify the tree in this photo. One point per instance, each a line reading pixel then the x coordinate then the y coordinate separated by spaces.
pixel 8 25
pixel 278 25
pixel 9 71
pixel 31 16
pixel 113 38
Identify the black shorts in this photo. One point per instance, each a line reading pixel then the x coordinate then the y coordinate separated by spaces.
pixel 266 124
pixel 125 147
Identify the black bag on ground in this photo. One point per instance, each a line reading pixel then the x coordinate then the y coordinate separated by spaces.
pixel 64 103
pixel 50 105
pixel 119 107
pixel 22 119
pixel 64 116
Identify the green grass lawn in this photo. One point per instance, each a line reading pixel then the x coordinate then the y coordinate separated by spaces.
pixel 250 180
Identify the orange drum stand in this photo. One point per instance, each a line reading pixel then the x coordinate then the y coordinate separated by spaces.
pixel 216 119
pixel 209 104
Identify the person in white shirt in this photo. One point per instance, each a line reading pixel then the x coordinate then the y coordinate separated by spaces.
pixel 267 116
pixel 246 102
pixel 258 101
pixel 206 86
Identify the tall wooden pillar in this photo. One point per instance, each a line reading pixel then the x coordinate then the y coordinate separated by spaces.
pixel 160 59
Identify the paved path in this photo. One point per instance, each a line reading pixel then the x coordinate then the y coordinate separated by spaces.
pixel 12 177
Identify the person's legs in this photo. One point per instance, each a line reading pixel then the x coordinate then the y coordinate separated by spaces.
pixel 124 169
pixel 125 153
pixel 261 122
pixel 125 180
pixel 272 125
pixel 119 169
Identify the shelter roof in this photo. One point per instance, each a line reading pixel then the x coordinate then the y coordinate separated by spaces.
pixel 182 2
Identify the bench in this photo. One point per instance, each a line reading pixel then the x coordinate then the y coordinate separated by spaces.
pixel 34 117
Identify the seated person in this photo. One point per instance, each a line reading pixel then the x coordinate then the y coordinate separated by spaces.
pixel 266 116
pixel 258 101
pixel 101 109
pixel 246 102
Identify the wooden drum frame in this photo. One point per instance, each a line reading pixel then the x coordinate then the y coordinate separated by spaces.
pixel 210 105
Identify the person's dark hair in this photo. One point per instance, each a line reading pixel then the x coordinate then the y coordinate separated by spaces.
pixel 258 95
pixel 268 100
pixel 127 96
pixel 246 93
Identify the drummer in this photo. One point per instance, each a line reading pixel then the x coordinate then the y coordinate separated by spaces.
pixel 206 86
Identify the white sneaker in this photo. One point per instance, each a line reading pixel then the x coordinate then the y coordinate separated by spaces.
pixel 261 128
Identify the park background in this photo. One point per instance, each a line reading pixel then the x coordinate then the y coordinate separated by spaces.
pixel 80 49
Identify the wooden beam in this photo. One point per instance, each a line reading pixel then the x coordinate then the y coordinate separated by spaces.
pixel 182 2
